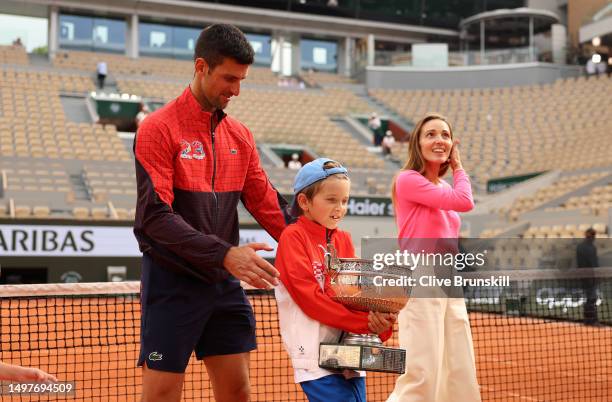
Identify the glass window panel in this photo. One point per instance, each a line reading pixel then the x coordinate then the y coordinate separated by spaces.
pixel 87 33
pixel 261 45
pixel 100 34
pixel 155 40
pixel 318 55
pixel 184 40
pixel 109 35
pixel 75 32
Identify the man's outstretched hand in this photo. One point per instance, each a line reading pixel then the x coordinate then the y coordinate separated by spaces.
pixel 247 266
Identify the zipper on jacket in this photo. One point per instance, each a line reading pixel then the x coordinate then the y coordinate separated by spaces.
pixel 212 136
pixel 328 241
pixel 328 235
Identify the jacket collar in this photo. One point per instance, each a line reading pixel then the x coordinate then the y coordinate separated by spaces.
pixel 190 105
pixel 318 232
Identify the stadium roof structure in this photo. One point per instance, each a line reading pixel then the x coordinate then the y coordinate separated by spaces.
pixel 193 13
pixel 545 16
pixel 599 26
pixel 507 21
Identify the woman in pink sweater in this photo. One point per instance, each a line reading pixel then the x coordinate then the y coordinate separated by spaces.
pixel 435 331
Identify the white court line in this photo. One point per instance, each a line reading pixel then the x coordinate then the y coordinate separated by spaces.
pixel 512 394
pixel 539 369
pixel 524 398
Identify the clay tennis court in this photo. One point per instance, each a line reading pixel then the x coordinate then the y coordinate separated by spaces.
pixel 93 341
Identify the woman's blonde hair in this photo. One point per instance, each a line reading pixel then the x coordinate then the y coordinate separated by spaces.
pixel 416 161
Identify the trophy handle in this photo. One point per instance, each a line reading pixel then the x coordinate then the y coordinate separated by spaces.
pixel 332 257
pixel 332 262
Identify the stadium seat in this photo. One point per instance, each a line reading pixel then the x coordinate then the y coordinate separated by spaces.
pixel 41 211
pixel 23 211
pixel 13 55
pixel 80 213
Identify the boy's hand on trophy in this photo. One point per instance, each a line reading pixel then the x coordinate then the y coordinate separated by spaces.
pixel 380 322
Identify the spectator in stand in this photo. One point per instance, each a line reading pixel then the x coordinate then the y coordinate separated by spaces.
pixel 294 163
pixel 387 143
pixel 591 69
pixel 142 114
pixel 102 70
pixel 586 257
pixel 375 125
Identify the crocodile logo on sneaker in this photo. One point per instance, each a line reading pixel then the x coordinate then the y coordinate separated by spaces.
pixel 155 356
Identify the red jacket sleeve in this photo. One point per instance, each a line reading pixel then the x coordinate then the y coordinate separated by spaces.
pixel 261 199
pixel 154 154
pixel 297 275
pixel 386 335
pixel 347 248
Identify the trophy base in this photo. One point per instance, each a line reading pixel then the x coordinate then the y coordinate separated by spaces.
pixel 361 339
pixel 362 357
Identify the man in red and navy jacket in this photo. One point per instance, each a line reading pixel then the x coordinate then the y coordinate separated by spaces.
pixel 193 164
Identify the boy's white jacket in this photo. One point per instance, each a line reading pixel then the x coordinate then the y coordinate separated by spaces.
pixel 302 336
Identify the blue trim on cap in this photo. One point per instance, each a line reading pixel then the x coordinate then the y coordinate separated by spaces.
pixel 311 173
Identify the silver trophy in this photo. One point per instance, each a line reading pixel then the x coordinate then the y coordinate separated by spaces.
pixel 356 284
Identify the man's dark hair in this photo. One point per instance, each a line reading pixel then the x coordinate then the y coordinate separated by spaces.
pixel 223 40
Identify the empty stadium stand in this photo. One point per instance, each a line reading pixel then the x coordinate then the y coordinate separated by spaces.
pixel 157 68
pixel 562 186
pixel 13 55
pixel 313 78
pixel 517 130
pixel 53 167
pixel 597 201
pixel 45 80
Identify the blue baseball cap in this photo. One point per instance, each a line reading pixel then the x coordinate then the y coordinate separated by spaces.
pixel 311 173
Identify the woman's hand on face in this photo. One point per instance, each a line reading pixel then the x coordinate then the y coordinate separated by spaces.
pixel 455 156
